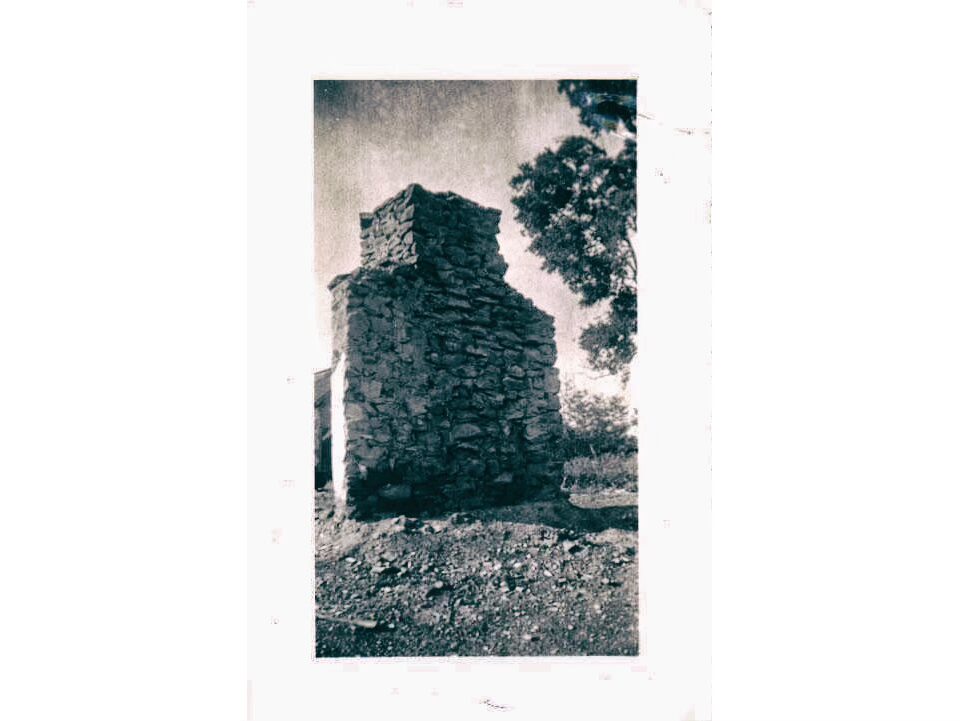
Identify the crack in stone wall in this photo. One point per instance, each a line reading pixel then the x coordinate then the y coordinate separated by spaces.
pixel 449 394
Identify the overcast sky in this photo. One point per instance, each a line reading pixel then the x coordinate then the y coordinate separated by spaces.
pixel 373 138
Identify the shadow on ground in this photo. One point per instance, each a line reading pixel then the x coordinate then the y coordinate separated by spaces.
pixel 582 514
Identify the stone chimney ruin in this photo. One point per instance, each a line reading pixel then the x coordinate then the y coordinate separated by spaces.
pixel 443 393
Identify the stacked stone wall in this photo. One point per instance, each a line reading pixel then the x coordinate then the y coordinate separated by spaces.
pixel 449 390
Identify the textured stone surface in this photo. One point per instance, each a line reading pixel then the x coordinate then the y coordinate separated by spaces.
pixel 321 428
pixel 444 374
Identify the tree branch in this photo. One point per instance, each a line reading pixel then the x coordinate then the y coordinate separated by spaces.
pixel 632 260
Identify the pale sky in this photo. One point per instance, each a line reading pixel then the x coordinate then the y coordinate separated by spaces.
pixel 373 138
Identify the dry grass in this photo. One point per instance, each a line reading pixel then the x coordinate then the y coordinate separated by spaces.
pixel 602 472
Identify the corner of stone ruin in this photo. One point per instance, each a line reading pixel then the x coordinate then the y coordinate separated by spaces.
pixel 444 393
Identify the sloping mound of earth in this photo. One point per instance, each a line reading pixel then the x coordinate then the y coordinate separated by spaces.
pixel 539 579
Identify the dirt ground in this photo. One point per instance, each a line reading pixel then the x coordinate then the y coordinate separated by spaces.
pixel 538 579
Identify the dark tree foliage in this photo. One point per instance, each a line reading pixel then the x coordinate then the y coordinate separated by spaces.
pixel 578 205
pixel 603 104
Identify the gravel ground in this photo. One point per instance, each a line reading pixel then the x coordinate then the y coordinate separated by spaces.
pixel 538 579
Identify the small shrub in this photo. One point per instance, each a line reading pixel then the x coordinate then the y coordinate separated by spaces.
pixel 607 471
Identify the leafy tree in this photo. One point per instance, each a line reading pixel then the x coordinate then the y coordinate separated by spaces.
pixel 595 424
pixel 578 205
pixel 603 104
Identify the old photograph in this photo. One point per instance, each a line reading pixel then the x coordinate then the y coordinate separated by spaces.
pixel 476 301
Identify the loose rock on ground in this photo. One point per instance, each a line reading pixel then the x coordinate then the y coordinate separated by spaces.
pixel 542 579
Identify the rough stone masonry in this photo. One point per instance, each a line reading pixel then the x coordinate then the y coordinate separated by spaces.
pixel 443 390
